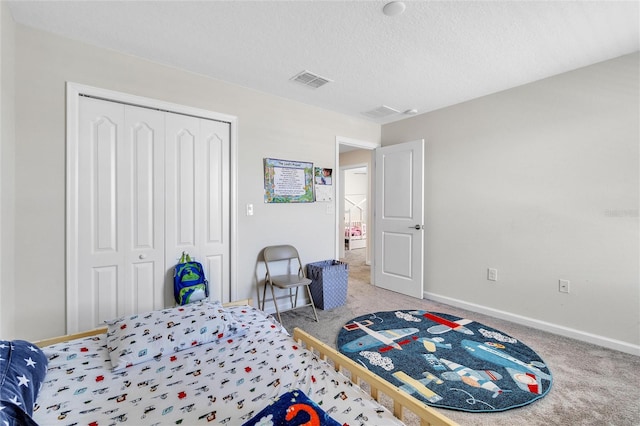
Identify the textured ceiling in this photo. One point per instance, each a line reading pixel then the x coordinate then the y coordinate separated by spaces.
pixel 436 54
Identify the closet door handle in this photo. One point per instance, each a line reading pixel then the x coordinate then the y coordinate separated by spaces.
pixel 142 256
pixel 416 227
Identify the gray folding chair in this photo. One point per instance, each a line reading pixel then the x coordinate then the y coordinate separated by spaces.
pixel 296 278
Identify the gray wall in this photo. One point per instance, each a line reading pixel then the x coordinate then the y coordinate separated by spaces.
pixel 7 146
pixel 540 182
pixel 268 126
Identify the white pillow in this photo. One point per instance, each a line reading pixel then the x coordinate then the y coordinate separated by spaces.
pixel 142 337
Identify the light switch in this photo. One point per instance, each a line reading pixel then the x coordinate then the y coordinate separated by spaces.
pixel 249 209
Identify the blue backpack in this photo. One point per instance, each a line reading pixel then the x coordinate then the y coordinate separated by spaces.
pixel 189 282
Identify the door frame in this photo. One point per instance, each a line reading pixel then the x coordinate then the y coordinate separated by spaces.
pixel 339 215
pixel 74 91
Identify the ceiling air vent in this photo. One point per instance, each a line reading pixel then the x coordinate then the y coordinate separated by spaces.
pixel 380 112
pixel 310 79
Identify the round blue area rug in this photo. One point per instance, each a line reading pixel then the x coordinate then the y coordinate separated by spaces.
pixel 446 361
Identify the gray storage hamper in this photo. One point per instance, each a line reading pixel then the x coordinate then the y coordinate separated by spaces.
pixel 329 283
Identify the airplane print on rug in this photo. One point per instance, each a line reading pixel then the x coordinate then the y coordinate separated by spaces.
pixel 445 361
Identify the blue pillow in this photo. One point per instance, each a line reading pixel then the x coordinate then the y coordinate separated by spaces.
pixel 294 407
pixel 22 369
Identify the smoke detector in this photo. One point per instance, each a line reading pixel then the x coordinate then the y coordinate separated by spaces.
pixel 394 8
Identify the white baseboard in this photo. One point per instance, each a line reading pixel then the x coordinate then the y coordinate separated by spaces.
pixel 284 304
pixel 540 325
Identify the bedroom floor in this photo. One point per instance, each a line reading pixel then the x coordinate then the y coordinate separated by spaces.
pixel 592 384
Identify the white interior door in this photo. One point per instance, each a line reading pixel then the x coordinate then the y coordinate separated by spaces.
pixel 216 244
pixel 120 239
pixel 399 218
pixel 143 186
pixel 197 196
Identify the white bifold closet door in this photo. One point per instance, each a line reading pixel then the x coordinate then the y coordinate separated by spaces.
pixel 197 198
pixel 150 185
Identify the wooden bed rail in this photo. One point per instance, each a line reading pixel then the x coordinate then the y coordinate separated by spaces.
pixel 102 330
pixel 428 416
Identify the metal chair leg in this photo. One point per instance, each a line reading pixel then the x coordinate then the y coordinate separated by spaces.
pixel 292 301
pixel 264 296
pixel 313 305
pixel 275 303
pixel 295 302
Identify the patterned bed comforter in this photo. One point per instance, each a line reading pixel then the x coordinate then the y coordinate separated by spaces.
pixel 224 382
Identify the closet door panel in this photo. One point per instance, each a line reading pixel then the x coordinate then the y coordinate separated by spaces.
pixel 146 281
pixel 101 135
pixel 103 140
pixel 214 265
pixel 197 197
pixel 182 178
pixel 214 147
pixel 105 292
pixel 120 212
pixel 216 141
pixel 143 194
pixel 185 149
pixel 143 223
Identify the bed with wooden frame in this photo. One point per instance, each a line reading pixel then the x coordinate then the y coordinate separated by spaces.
pixel 375 384
pixel 330 383
pixel 355 235
pixel 355 225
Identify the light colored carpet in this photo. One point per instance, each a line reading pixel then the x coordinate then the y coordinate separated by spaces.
pixel 592 385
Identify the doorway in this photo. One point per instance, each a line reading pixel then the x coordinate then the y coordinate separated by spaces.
pixel 356 211
pixel 354 156
pixel 356 220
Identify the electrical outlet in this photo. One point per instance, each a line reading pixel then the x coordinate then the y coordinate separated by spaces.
pixel 563 286
pixel 492 274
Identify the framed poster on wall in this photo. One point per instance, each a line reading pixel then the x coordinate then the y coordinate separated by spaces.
pixel 287 181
